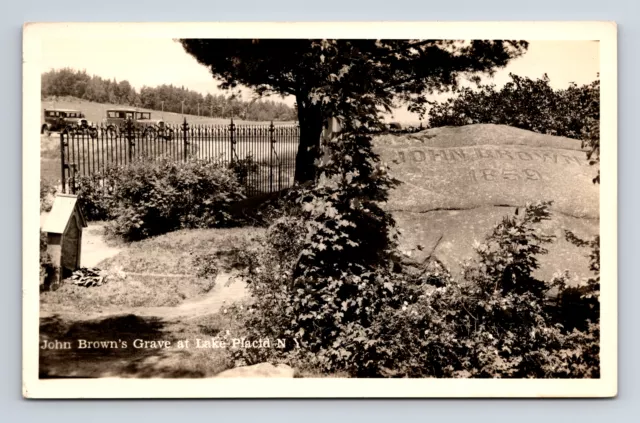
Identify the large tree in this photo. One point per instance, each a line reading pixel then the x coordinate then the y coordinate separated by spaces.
pixel 338 77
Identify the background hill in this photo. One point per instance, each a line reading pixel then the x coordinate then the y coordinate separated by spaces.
pixel 96 112
pixel 67 82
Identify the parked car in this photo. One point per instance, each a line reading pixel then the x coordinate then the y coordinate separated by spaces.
pixel 56 120
pixel 142 122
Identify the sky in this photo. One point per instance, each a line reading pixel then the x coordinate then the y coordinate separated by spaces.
pixel 153 62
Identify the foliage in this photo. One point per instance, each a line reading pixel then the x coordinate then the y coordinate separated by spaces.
pixel 152 196
pixel 529 104
pixel 159 196
pixel 67 82
pixel 242 168
pixel 347 78
pixel 499 322
pixel 316 273
pixel 582 303
pixel 47 192
pixel 96 193
pixel 46 266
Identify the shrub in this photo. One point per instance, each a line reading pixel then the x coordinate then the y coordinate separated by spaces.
pixel 500 322
pixel 320 274
pixel 96 193
pixel 152 196
pixel 46 266
pixel 47 191
pixel 242 168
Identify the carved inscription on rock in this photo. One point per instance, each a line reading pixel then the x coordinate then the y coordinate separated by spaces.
pixel 480 164
pixel 453 155
pixel 491 175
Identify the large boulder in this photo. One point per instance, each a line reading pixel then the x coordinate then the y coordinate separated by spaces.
pixel 458 182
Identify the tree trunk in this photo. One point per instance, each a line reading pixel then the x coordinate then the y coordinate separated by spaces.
pixel 310 118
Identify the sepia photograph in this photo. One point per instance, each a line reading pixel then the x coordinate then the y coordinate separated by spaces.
pixel 320 210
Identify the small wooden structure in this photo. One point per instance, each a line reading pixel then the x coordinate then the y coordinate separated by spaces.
pixel 64 237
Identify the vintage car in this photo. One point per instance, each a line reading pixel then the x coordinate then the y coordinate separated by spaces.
pixel 142 122
pixel 56 120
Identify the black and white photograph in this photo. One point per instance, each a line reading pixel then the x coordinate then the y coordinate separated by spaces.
pixel 320 210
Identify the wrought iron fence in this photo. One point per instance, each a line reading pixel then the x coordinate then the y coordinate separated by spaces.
pixel 267 152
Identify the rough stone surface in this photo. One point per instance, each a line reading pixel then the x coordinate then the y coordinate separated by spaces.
pixel 458 182
pixel 260 370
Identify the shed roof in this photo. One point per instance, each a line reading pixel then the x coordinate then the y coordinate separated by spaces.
pixel 63 207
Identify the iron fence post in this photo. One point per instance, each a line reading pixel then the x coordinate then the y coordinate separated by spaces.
pixel 129 129
pixel 73 168
pixel 185 140
pixel 63 165
pixel 272 130
pixel 232 128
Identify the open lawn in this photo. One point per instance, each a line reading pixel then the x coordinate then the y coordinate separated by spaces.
pixel 96 112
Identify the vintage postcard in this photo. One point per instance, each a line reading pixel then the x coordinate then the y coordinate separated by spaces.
pixel 346 210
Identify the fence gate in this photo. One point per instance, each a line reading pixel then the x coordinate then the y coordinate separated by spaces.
pixel 262 155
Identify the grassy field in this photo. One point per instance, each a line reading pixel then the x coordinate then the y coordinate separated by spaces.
pixel 96 112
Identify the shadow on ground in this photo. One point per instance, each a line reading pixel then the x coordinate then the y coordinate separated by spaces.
pixel 110 359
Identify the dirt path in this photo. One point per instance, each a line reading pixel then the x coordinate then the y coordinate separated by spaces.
pixel 226 291
pixel 212 302
pixel 94 247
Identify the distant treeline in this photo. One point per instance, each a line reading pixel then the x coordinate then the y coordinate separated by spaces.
pixel 79 84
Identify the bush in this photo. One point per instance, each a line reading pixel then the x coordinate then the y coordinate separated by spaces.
pixel 154 197
pixel 47 192
pixel 96 193
pixel 46 266
pixel 321 274
pixel 500 322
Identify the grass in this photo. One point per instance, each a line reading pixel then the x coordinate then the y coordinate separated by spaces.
pixel 159 259
pixel 173 253
pixel 96 112
pixel 133 291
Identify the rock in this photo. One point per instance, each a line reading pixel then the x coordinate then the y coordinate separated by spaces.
pixel 458 182
pixel 261 370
